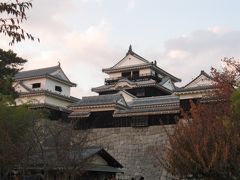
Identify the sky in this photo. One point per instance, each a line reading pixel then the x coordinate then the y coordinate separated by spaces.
pixel 183 36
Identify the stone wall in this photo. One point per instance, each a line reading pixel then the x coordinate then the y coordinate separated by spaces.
pixel 130 146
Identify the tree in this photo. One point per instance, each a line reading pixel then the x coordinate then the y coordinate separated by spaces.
pixel 54 149
pixel 10 64
pixel 236 104
pixel 15 123
pixel 29 141
pixel 10 25
pixel 205 144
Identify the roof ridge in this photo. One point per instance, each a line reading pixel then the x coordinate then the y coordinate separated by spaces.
pixel 155 97
pixel 131 52
pixel 201 73
pixel 115 94
pixel 40 69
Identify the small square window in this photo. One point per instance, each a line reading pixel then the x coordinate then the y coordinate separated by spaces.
pixel 36 85
pixel 58 88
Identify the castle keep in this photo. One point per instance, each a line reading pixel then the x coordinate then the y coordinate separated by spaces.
pixel 135 102
pixel 130 114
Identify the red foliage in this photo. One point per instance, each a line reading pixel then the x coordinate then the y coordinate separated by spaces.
pixel 206 143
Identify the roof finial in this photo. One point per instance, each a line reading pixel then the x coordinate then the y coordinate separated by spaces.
pixel 130 50
pixel 59 64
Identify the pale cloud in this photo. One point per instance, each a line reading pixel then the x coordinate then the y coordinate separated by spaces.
pixel 94 36
pixel 131 5
pixel 186 55
pixel 177 54
pixel 80 51
pixel 84 48
pixel 219 30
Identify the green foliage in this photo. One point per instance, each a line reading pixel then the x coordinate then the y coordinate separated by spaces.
pixel 236 104
pixel 15 125
pixel 10 64
pixel 205 143
pixel 15 121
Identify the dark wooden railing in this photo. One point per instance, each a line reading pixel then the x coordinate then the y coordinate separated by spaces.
pixel 145 76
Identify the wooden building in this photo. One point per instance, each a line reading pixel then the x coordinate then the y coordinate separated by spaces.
pixel 83 164
pixel 137 93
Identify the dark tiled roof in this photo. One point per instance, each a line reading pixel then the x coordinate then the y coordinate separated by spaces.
pixel 151 105
pixel 79 114
pixel 77 154
pixel 148 111
pixel 141 66
pixel 197 88
pixel 146 63
pixel 43 72
pixel 137 84
pixel 49 106
pixel 102 168
pixel 157 100
pixel 131 52
pixel 36 72
pixel 48 93
pixel 98 100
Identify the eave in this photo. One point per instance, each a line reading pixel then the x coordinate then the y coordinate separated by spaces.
pixel 146 112
pixel 98 106
pixel 195 90
pixel 69 83
pixel 111 88
pixel 142 66
pixel 49 106
pixel 47 93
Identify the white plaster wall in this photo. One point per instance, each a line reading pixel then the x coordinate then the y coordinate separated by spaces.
pixel 29 83
pixel 191 96
pixel 129 60
pixel 60 73
pixel 145 71
pixel 56 102
pixel 126 96
pixel 30 100
pixel 168 85
pixel 19 88
pixel 41 100
pixel 115 75
pixel 201 81
pixel 50 85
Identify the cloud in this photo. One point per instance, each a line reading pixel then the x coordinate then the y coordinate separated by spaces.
pixel 81 51
pixel 186 55
pixel 84 50
pixel 131 5
pixel 177 54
